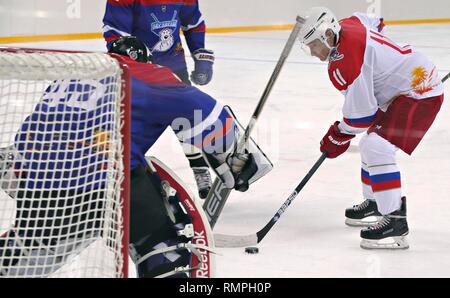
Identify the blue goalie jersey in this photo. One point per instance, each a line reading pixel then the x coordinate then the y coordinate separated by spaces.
pixel 66 141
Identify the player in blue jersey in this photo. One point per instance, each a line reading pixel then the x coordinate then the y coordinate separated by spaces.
pixel 160 230
pixel 157 23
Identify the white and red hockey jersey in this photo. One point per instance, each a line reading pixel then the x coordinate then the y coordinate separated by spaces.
pixel 371 71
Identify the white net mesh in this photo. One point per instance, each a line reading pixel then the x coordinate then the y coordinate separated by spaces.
pixel 61 165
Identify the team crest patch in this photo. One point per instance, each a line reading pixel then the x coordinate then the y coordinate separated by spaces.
pixel 165 31
pixel 335 55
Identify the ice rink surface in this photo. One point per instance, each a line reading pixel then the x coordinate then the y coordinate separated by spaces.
pixel 311 239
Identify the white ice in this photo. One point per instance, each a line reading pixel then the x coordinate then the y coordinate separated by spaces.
pixel 311 240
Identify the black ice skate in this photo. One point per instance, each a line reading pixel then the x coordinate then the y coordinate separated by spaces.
pixel 363 215
pixel 389 233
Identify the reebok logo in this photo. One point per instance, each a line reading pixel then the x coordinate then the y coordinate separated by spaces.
pixel 202 270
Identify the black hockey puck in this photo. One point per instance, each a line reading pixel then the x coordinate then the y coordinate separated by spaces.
pixel 251 250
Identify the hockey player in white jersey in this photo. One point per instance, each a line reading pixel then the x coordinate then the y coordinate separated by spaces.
pixel 392 95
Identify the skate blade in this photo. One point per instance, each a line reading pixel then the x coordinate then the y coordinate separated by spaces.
pixel 365 222
pixel 391 243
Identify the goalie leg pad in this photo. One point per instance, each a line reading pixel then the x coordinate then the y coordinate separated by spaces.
pixel 187 251
pixel 149 220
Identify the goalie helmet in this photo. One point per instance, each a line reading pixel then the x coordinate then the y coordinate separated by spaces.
pixel 317 21
pixel 132 47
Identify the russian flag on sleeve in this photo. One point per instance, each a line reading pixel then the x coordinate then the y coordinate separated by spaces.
pixel 364 122
pixel 384 182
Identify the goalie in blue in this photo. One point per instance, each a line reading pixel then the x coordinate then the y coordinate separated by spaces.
pixel 57 148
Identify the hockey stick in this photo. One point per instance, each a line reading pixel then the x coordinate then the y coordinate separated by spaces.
pixel 446 77
pixel 219 194
pixel 222 240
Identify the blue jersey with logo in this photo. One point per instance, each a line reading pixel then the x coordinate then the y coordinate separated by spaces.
pixel 157 23
pixel 60 143
pixel 63 143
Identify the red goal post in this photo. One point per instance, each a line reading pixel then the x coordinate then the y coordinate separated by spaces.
pixel 64 164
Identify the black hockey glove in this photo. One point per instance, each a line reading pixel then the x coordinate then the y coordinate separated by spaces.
pixel 247 171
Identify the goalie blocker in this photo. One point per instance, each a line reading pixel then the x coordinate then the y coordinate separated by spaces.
pixel 239 170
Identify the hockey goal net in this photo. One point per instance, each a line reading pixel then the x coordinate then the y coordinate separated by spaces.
pixel 64 155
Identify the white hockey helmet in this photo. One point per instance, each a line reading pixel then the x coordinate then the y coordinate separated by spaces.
pixel 317 21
